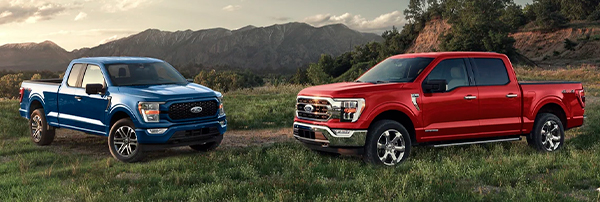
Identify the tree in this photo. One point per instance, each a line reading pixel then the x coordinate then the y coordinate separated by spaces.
pixel 36 77
pixel 300 77
pixel 547 14
pixel 317 75
pixel 10 84
pixel 477 26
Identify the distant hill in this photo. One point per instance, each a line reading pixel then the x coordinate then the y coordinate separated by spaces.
pixel 281 47
pixel 34 56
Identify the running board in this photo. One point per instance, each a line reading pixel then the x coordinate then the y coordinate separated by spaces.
pixel 478 142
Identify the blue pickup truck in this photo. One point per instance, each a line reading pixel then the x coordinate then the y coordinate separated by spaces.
pixel 141 104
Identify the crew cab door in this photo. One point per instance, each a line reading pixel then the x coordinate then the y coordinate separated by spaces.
pixel 85 112
pixel 453 113
pixel 499 97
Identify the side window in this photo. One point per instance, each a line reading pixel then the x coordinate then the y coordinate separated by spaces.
pixel 74 75
pixel 454 71
pixel 490 71
pixel 93 75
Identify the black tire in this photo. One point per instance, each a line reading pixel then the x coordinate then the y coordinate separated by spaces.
pixel 209 146
pixel 40 131
pixel 547 132
pixel 388 149
pixel 122 142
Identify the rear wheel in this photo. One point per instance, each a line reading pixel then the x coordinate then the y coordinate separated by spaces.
pixel 209 146
pixel 548 134
pixel 388 143
pixel 123 142
pixel 40 132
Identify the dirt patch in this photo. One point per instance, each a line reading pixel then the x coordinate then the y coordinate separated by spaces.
pixel 487 189
pixel 68 142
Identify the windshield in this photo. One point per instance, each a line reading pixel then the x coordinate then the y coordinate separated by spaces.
pixel 395 70
pixel 135 74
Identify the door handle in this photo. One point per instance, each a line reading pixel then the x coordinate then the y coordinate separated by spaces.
pixel 470 97
pixel 78 98
pixel 511 95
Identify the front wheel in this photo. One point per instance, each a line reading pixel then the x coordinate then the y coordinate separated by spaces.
pixel 123 142
pixel 388 143
pixel 548 134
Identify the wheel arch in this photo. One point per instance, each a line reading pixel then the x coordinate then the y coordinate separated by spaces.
pixel 553 108
pixel 399 113
pixel 35 103
pixel 117 114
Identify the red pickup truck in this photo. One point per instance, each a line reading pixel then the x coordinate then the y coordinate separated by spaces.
pixel 436 99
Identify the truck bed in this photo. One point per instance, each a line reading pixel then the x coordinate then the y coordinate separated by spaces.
pixel 547 82
pixel 57 81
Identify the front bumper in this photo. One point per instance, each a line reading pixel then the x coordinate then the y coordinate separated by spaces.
pixel 326 137
pixel 183 135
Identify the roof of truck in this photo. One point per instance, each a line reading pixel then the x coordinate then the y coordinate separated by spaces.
pixel 439 54
pixel 115 60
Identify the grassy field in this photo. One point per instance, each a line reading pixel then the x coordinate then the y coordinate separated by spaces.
pixel 588 75
pixel 289 172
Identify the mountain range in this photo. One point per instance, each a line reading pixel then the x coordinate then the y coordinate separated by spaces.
pixel 281 47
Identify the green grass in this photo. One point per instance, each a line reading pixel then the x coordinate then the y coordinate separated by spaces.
pixel 263 107
pixel 289 172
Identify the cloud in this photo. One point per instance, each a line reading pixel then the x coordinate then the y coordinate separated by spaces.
pixel 357 22
pixel 281 18
pixel 232 8
pixel 80 16
pixel 112 6
pixel 30 11
pixel 109 39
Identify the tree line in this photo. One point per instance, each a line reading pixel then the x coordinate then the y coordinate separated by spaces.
pixel 477 25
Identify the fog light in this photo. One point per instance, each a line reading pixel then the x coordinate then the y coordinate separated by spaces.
pixel 342 132
pixel 223 123
pixel 157 130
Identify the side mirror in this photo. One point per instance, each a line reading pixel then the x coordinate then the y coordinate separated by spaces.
pixel 435 86
pixel 94 88
pixel 190 80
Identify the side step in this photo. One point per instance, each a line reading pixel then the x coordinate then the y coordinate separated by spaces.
pixel 478 142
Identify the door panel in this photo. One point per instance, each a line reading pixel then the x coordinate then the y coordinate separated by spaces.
pixel 91 109
pixel 499 97
pixel 66 97
pixel 454 113
pixel 450 113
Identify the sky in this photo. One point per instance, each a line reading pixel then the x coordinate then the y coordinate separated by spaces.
pixel 74 24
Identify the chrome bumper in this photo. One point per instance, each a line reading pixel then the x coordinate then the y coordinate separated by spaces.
pixel 327 137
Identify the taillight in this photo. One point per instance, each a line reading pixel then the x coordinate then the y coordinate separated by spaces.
pixel 21 93
pixel 581 97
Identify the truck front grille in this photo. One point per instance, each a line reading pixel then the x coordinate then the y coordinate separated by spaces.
pixel 184 110
pixel 313 109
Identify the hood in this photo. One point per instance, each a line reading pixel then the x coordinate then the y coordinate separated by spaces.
pixel 169 92
pixel 348 89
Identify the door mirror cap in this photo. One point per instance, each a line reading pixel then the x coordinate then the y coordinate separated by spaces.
pixel 435 86
pixel 94 88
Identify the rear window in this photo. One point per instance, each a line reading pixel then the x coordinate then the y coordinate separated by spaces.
pixel 74 75
pixel 490 72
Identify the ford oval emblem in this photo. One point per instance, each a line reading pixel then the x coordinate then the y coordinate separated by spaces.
pixel 308 108
pixel 196 110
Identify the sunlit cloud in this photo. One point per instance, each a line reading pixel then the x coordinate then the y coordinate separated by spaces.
pixel 112 6
pixel 232 8
pixel 357 22
pixel 80 16
pixel 30 11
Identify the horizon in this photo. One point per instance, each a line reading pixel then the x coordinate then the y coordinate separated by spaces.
pixel 97 22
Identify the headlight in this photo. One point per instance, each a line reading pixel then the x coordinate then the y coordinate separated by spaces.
pixel 351 109
pixel 221 109
pixel 149 111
